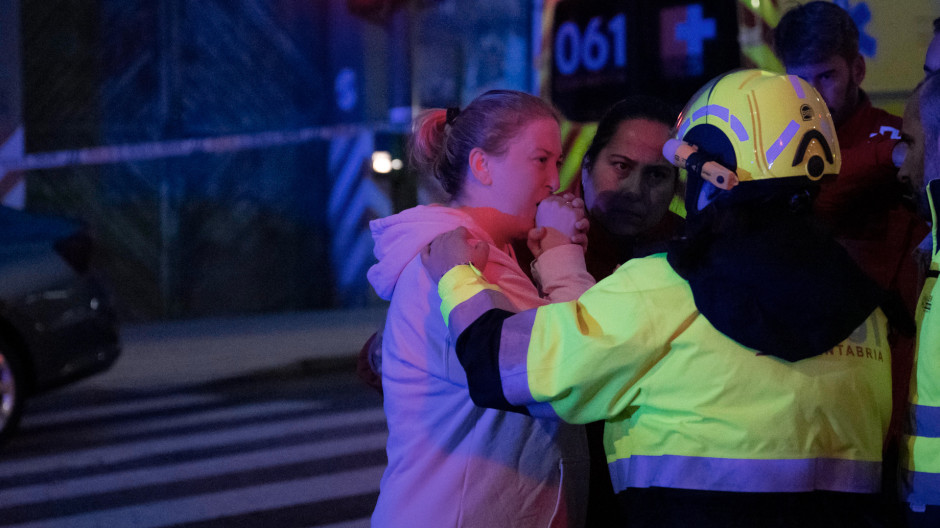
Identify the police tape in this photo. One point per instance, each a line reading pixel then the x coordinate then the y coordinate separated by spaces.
pixel 183 147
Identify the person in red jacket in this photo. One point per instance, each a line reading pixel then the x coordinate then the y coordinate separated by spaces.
pixel 865 205
pixel 867 208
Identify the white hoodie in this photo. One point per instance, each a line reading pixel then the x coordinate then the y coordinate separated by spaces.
pixel 451 463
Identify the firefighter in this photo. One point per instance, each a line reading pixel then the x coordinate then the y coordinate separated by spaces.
pixel 920 448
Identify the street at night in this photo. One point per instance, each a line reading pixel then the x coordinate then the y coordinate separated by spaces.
pixel 469 263
pixel 247 422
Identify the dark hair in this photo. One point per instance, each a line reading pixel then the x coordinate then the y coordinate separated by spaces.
pixel 441 147
pixel 936 26
pixel 633 107
pixel 813 33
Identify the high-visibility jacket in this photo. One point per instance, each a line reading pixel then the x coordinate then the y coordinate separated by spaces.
pixel 920 457
pixel 685 406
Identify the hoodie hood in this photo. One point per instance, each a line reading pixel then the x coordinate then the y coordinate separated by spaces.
pixel 401 237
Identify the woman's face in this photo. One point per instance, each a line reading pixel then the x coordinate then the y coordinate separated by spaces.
pixel 527 172
pixel 629 188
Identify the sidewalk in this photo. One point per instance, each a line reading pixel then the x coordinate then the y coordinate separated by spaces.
pixel 197 350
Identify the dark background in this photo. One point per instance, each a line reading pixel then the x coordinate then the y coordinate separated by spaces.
pixel 283 226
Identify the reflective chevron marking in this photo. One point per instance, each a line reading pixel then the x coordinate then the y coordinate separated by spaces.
pixel 12 185
pixel 347 153
pixel 354 200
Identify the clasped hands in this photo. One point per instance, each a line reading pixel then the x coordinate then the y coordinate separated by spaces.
pixel 559 220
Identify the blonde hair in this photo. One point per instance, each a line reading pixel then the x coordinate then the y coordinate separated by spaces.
pixel 441 148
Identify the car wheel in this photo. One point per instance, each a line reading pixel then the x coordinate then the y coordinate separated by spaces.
pixel 11 391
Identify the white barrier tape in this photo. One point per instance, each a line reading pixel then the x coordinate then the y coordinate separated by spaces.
pixel 178 148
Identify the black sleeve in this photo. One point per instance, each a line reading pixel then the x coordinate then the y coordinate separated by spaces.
pixel 478 352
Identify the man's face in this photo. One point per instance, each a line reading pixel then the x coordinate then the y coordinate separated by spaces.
pixel 931 170
pixel 837 81
pixel 911 172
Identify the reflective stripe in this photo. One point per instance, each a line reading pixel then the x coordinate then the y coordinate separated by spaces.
pixel 684 127
pixel 739 129
pixel 465 313
pixel 543 410
pixel 513 351
pixel 781 143
pixel 721 112
pixel 920 488
pixel 926 421
pixel 933 197
pixel 827 131
pixel 746 475
pixel 718 111
pixel 921 454
pixel 797 87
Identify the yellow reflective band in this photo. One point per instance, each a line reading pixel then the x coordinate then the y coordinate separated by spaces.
pixel 545 49
pixel 460 284
pixel 677 206
pixel 921 454
pixel 755 43
pixel 933 216
pixel 765 9
pixel 571 167
pixel 925 383
pixel 763 57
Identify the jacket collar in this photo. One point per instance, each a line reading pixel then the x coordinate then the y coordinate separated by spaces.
pixel 857 119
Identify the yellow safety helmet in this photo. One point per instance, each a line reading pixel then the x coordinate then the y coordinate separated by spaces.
pixel 752 125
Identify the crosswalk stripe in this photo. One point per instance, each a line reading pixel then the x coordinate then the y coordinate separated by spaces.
pixel 111 454
pixel 112 482
pixel 45 418
pixel 216 484
pixel 225 503
pixel 194 454
pixel 358 523
pixel 129 426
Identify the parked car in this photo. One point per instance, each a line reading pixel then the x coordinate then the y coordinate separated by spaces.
pixel 57 322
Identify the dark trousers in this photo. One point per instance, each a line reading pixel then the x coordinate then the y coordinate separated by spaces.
pixel 929 518
pixel 678 508
pixel 603 508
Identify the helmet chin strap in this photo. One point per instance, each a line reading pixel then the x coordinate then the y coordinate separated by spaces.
pixel 707 194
